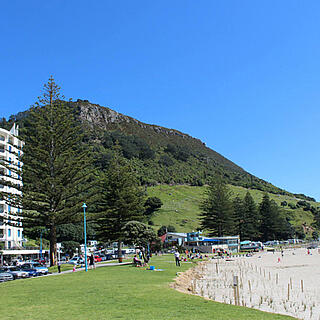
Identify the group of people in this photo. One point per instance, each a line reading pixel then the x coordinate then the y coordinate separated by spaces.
pixel 141 259
pixel 189 255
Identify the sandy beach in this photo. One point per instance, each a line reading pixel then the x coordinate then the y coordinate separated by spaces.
pixel 290 286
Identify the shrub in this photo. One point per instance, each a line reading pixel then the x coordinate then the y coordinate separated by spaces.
pixel 152 204
pixel 292 206
pixel 166 161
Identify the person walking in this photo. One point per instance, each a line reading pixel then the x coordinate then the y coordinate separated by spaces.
pixel 177 256
pixel 59 266
pixel 92 265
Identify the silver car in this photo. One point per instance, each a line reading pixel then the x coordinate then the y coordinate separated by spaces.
pixel 5 276
pixel 17 272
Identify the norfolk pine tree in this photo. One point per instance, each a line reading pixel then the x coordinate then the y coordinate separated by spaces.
pixel 217 210
pixel 251 218
pixel 269 214
pixel 121 201
pixel 55 166
pixel 239 217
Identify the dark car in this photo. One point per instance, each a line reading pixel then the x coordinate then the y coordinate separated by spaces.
pixel 103 257
pixel 31 271
pixel 109 256
pixel 39 267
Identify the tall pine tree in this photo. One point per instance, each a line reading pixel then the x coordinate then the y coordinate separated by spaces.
pixel 239 217
pixel 269 214
pixel 251 218
pixel 55 170
pixel 217 209
pixel 121 201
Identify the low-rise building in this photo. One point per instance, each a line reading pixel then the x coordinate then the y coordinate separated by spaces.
pixel 212 244
pixel 194 241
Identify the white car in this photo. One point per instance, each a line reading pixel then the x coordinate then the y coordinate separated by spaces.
pixel 76 261
pixel 18 262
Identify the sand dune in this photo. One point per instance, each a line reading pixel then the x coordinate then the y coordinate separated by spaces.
pixel 291 286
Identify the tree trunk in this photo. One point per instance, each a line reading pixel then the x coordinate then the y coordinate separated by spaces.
pixel 53 246
pixel 119 251
pixel 142 249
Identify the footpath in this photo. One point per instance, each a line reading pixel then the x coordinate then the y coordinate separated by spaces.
pixel 100 265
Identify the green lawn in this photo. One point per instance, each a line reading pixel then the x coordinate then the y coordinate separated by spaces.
pixel 181 205
pixel 123 292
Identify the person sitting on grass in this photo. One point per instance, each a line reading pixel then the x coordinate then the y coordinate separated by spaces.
pixel 136 261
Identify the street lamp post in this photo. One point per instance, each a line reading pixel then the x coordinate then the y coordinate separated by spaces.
pixel 41 244
pixel 84 206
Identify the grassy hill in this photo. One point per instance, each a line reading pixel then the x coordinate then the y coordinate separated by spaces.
pixel 181 205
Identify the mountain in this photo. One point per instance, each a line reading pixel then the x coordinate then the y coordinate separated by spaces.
pixel 159 155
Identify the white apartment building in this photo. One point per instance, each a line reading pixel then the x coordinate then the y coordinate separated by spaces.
pixel 10 221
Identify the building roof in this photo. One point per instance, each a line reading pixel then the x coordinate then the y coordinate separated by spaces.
pixel 177 234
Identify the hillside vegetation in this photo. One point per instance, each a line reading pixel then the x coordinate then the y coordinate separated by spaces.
pixel 181 206
pixel 172 165
pixel 158 154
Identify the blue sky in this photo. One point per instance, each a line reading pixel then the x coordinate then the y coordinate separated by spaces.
pixel 243 76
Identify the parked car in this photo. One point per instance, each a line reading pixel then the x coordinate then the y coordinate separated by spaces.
pixel 17 272
pixel 5 276
pixel 107 256
pixel 103 257
pixel 31 271
pixel 18 262
pixel 39 267
pixel 63 259
pixel 97 258
pixel 76 261
pixel 40 260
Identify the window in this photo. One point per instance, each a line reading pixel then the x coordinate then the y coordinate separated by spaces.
pixel 19 233
pixel 9 232
pixel 2 138
pixel 9 244
pixel 9 209
pixel 9 173
pixel 10 149
pixel 9 160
